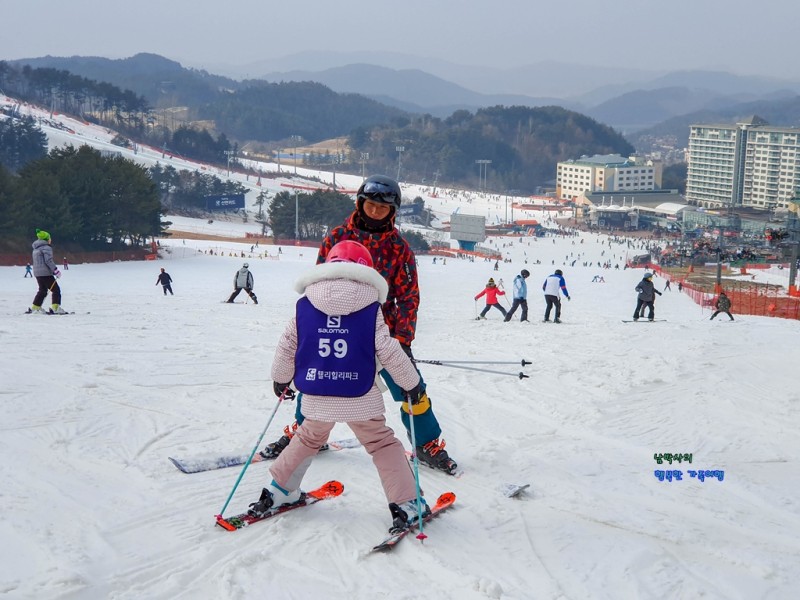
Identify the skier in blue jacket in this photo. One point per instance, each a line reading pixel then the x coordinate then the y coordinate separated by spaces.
pixel 520 295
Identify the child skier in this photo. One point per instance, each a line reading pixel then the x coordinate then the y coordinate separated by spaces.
pixel 372 224
pixel 723 304
pixel 491 293
pixel 46 273
pixel 329 350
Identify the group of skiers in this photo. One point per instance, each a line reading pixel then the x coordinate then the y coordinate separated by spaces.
pixel 357 304
pixel 553 287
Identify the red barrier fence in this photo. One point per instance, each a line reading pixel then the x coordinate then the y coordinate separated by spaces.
pixel 747 297
pixel 74 258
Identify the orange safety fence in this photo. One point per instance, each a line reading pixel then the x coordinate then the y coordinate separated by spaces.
pixel 747 297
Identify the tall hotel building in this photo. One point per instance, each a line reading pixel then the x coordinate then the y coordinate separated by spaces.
pixel 749 164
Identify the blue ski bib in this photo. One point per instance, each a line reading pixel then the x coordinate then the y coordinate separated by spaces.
pixel 335 353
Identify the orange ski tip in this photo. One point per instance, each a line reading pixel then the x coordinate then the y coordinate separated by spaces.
pixel 224 524
pixel 446 498
pixel 334 487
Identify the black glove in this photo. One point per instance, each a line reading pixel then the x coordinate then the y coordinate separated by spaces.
pixel 279 388
pixel 407 350
pixel 413 395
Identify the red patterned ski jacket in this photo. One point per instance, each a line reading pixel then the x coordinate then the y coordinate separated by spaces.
pixel 395 261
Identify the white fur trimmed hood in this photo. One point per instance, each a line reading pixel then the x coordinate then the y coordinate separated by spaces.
pixel 344 270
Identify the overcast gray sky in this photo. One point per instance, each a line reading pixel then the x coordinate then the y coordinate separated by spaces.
pixel 740 36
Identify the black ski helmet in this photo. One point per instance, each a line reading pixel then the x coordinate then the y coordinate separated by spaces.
pixel 559 272
pixel 525 273
pixel 382 189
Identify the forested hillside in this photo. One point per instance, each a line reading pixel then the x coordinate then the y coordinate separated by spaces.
pixel 219 116
pixel 523 144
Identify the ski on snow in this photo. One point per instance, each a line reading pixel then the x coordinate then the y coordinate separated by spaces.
pixel 444 502
pixel 210 462
pixel 332 489
pixel 645 321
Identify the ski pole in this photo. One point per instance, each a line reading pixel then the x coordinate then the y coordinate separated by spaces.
pixel 524 362
pixel 521 375
pixel 415 461
pixel 504 295
pixel 258 443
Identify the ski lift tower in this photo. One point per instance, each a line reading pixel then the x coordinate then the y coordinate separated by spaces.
pixel 793 229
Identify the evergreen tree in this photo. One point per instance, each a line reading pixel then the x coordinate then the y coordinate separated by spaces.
pixel 92 200
pixel 318 213
pixel 21 141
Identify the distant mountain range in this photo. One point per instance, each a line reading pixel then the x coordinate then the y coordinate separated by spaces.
pixel 627 106
pixel 412 90
pixel 631 101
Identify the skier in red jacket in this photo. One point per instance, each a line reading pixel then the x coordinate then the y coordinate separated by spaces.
pixel 491 292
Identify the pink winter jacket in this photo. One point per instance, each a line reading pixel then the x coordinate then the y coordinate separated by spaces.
pixel 340 289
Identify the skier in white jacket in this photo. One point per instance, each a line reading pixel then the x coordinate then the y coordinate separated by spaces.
pixel 553 286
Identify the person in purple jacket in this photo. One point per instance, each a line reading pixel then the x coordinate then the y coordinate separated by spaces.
pixel 329 351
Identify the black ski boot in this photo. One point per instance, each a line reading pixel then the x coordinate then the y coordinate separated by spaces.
pixel 273 498
pixel 263 506
pixel 434 455
pixel 274 449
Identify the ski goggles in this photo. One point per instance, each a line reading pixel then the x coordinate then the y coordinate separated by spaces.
pixel 379 192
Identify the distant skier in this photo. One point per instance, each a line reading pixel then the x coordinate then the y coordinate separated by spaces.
pixel 46 273
pixel 553 286
pixel 243 280
pixel 520 295
pixel 28 271
pixel 491 292
pixel 344 292
pixel 647 297
pixel 166 281
pixel 723 304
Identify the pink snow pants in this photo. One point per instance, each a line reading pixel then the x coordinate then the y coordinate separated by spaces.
pixel 378 439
